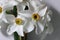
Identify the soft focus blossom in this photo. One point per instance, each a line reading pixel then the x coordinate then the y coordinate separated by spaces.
pixel 5 5
pixel 30 16
pixel 38 18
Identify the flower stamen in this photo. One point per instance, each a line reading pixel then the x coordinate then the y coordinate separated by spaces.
pixel 18 21
pixel 0 9
pixel 36 17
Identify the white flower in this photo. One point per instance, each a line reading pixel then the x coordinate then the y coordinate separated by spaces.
pixel 12 24
pixel 5 5
pixel 27 20
pixel 16 24
pixel 38 18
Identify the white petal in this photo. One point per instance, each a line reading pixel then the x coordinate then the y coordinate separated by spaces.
pixel 0 23
pixel 49 12
pixel 48 18
pixel 10 18
pixel 13 2
pixel 20 30
pixel 42 12
pixel 11 29
pixel 22 17
pixel 21 6
pixel 43 35
pixel 8 5
pixel 43 22
pixel 19 0
pixel 49 29
pixel 28 27
pixel 39 28
pixel 1 14
pixel 26 13
pixel 3 2
pixel 36 4
pixel 4 19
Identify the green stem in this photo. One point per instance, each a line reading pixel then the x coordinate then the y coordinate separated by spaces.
pixel 25 36
pixel 16 36
pixel 20 38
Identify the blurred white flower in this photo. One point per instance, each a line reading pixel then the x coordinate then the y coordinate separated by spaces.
pixel 19 0
pixel 0 27
pixel 5 5
pixel 13 24
pixel 16 24
pixel 37 18
pixel 27 20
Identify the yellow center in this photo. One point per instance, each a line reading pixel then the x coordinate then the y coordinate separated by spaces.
pixel 0 9
pixel 36 17
pixel 18 21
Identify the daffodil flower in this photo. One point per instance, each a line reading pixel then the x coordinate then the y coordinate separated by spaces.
pixel 16 24
pixel 19 18
pixel 27 20
pixel 37 18
pixel 5 5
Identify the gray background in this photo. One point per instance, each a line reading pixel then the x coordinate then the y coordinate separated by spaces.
pixel 55 7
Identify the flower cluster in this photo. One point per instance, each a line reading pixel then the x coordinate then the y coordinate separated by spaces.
pixel 25 16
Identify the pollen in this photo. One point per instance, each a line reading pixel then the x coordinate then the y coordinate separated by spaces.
pixel 18 21
pixel 0 9
pixel 36 16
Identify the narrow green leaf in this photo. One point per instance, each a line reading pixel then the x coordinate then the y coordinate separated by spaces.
pixel 15 11
pixel 16 36
pixel 7 11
